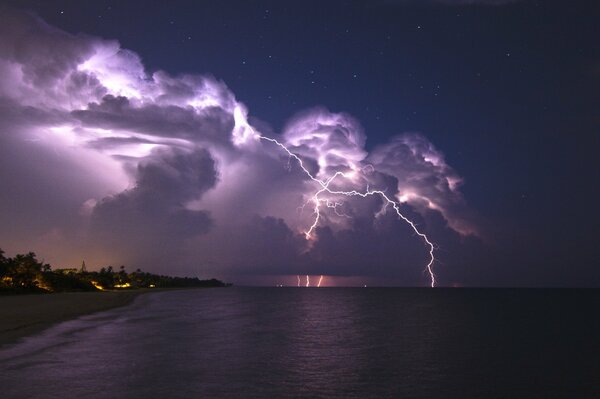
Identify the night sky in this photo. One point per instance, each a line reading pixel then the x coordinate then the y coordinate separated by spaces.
pixel 501 97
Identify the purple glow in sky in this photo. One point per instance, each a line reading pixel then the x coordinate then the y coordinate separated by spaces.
pixel 111 163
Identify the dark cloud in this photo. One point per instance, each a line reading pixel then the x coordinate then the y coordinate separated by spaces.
pixel 117 113
pixel 151 217
pixel 163 185
pixel 268 246
pixel 380 247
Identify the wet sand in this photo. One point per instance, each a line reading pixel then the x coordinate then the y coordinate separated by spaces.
pixel 23 315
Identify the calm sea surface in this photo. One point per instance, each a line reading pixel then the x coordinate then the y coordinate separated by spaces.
pixel 319 342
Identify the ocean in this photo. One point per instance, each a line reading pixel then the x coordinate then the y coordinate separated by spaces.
pixel 319 343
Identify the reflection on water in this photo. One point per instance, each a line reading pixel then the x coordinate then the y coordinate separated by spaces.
pixel 333 342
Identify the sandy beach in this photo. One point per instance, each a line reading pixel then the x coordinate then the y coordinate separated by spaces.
pixel 23 315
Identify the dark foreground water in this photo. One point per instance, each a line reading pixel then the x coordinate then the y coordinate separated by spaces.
pixel 327 342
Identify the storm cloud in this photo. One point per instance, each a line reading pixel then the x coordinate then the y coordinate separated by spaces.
pixel 107 161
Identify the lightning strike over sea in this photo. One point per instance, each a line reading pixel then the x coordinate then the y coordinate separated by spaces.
pixel 155 144
pixel 325 188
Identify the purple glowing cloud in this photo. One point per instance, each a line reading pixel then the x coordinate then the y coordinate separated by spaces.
pixel 152 168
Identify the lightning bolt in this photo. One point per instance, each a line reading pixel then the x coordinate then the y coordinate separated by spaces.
pixel 243 131
pixel 307 281
pixel 298 280
pixel 325 188
pixel 320 281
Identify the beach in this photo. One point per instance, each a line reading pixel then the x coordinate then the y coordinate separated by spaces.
pixel 23 315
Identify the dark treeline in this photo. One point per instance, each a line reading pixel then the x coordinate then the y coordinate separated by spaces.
pixel 25 274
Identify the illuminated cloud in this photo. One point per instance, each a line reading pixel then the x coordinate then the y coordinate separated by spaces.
pixel 335 141
pixel 149 168
pixel 424 180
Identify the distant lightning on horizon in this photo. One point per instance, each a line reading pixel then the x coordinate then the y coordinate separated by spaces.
pixel 308 281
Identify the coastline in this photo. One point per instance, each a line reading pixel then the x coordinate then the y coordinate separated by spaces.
pixel 25 315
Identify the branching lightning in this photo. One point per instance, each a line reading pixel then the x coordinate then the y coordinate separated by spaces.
pixel 325 188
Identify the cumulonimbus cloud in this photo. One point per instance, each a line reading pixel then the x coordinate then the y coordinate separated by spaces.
pixel 171 163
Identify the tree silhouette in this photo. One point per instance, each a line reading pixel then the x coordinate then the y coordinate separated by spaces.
pixel 25 274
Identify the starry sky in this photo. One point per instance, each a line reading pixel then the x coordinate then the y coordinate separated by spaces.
pixel 500 97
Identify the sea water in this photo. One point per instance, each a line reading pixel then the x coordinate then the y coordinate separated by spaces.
pixel 319 342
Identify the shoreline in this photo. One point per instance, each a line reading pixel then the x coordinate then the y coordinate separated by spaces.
pixel 25 315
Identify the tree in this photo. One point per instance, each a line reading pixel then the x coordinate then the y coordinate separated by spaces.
pixel 3 268
pixel 3 263
pixel 24 270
